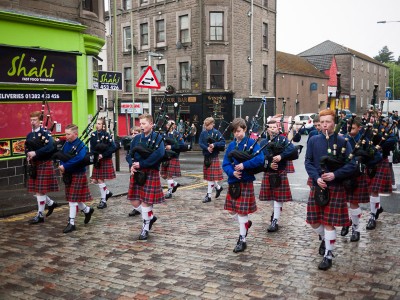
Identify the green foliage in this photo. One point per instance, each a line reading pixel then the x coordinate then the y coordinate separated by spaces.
pixel 385 56
pixel 394 70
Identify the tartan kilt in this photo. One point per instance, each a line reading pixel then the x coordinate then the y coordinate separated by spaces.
pixel 151 192
pixel 361 193
pixel 382 182
pixel 334 214
pixel 172 170
pixel 289 167
pixel 213 172
pixel 246 203
pixel 279 194
pixel 105 170
pixel 78 190
pixel 309 182
pixel 46 180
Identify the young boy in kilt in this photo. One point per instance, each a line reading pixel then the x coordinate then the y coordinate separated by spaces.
pixel 172 167
pixel 277 167
pixel 76 188
pixel 211 142
pixel 239 206
pixel 323 219
pixel 143 195
pixel 104 169
pixel 40 159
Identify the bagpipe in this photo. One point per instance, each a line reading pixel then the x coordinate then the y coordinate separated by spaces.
pixel 217 136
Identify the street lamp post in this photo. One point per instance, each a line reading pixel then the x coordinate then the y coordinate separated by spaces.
pixel 149 56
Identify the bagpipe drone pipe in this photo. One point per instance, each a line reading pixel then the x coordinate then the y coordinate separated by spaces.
pixel 216 135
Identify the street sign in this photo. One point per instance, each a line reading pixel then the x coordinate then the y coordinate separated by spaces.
pixel 388 94
pixel 239 101
pixel 128 108
pixel 148 80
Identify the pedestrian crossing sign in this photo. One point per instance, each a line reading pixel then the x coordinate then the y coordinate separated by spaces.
pixel 148 80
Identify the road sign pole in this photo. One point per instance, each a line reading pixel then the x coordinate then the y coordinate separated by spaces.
pixel 150 110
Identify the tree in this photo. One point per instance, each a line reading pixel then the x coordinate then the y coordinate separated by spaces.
pixel 385 56
pixel 394 70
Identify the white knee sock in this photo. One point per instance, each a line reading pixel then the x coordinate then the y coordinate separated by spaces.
pixel 147 214
pixel 139 208
pixel 330 239
pixel 242 226
pixel 277 209
pixel 217 186
pixel 41 200
pixel 83 207
pixel 210 188
pixel 103 188
pixel 170 184
pixel 374 203
pixel 320 231
pixel 355 215
pixel 49 201
pixel 72 212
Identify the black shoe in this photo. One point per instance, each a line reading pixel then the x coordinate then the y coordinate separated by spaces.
pixel 274 226
pixel 50 208
pixel 109 195
pixel 325 264
pixel 143 235
pixel 371 223
pixel 69 228
pixel 133 213
pixel 321 249
pixel 272 217
pixel 218 192
pixel 175 187
pixel 249 223
pixel 102 205
pixel 355 236
pixel 36 220
pixel 378 212
pixel 168 195
pixel 345 230
pixel 88 215
pixel 240 246
pixel 206 199
pixel 152 221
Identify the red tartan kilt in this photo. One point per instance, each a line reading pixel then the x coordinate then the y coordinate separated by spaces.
pixel 289 167
pixel 246 203
pixel 213 172
pixel 360 194
pixel 78 190
pixel 279 194
pixel 46 180
pixel 334 214
pixel 172 170
pixel 309 182
pixel 105 170
pixel 382 182
pixel 151 192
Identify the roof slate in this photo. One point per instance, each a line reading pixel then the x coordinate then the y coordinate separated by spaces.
pixel 293 64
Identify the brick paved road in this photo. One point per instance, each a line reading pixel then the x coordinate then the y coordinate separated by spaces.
pixel 189 256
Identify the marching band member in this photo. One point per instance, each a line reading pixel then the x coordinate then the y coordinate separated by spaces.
pixel 134 132
pixel 43 178
pixel 211 142
pixel 104 169
pixel 76 183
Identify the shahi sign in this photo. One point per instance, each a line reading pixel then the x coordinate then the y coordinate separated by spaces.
pixel 22 65
pixel 110 80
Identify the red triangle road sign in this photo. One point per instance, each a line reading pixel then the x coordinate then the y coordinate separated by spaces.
pixel 148 80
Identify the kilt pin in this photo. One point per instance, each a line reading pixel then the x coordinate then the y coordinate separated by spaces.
pixel 360 194
pixel 151 192
pixel 279 194
pixel 78 189
pixel 172 170
pixel 382 182
pixel 213 172
pixel 246 203
pixel 334 214
pixel 46 180
pixel 105 170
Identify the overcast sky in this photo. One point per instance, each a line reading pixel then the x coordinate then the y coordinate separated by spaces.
pixel 352 23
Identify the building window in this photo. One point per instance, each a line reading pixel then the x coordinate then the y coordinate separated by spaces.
pixel 362 83
pixel 265 36
pixel 100 102
pixel 265 77
pixel 87 5
pixel 184 76
pixel 216 26
pixel 127 38
pixel 362 101
pixel 128 80
pixel 161 69
pixel 184 36
pixel 144 34
pixel 160 31
pixel 353 83
pixel 127 4
pixel 353 60
pixel 143 2
pixel 216 74
pixel 265 3
pixel 368 85
pixel 368 67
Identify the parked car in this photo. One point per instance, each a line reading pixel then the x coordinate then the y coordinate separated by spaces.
pixel 348 113
pixel 307 118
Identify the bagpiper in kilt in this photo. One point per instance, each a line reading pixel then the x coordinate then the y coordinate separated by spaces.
pixel 211 142
pixel 315 131
pixel 103 145
pixel 42 176
pixel 172 168
pixel 323 217
pixel 145 185
pixel 74 176
pixel 240 200
pixel 275 184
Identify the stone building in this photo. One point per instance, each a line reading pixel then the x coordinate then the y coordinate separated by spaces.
pixel 210 51
pixel 359 74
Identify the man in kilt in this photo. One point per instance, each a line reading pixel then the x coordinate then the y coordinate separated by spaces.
pixel 172 168
pixel 240 200
pixel 102 143
pixel 144 186
pixel 43 180
pixel 211 142
pixel 323 219
pixel 274 190
pixel 74 176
